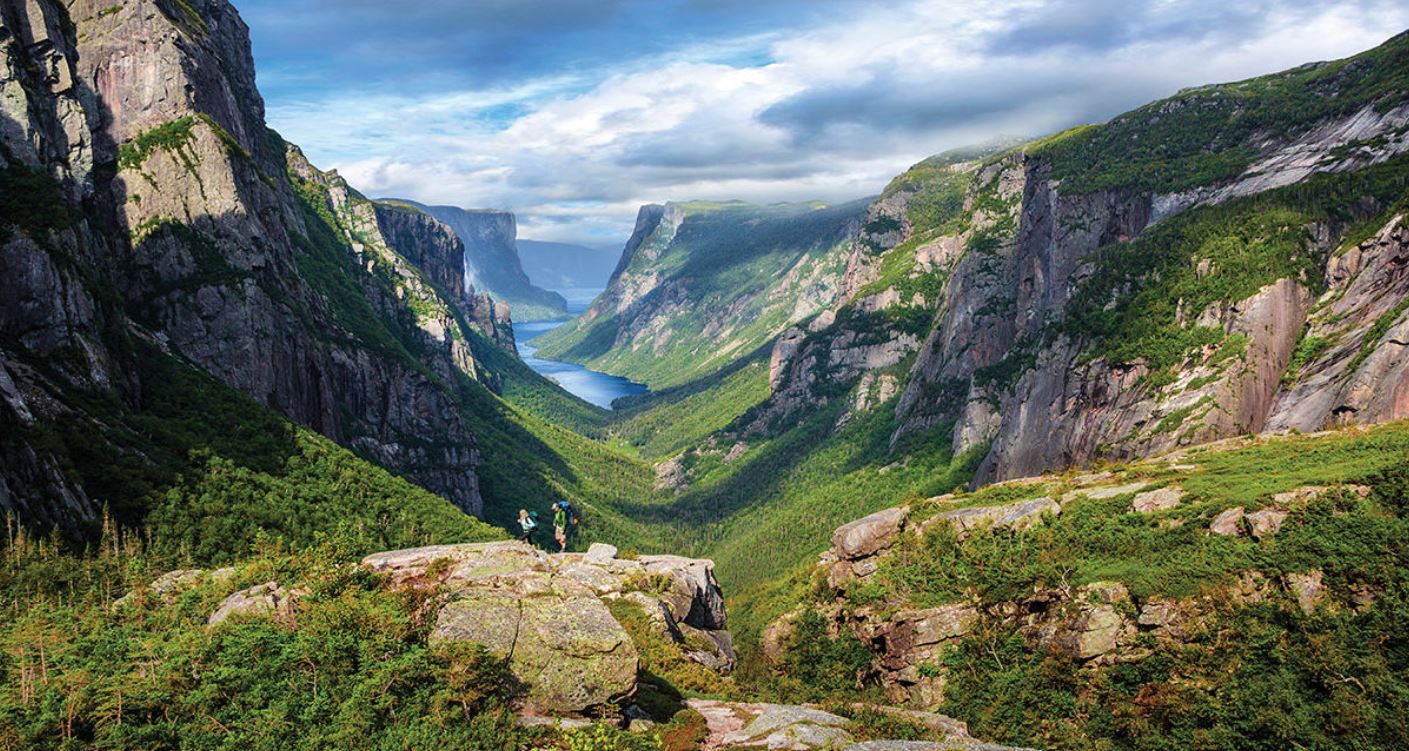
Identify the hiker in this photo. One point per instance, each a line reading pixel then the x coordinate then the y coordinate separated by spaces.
pixel 528 522
pixel 560 525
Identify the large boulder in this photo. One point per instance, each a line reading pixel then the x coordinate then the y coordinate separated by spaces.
pixel 869 535
pixel 546 615
pixel 265 600
pixel 568 652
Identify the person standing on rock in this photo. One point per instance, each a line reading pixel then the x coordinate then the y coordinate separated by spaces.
pixel 560 526
pixel 527 523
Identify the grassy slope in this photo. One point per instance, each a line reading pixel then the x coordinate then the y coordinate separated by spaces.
pixel 1250 677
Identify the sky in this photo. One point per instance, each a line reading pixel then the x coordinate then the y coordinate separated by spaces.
pixel 574 113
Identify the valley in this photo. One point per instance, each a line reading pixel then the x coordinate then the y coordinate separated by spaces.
pixel 1092 440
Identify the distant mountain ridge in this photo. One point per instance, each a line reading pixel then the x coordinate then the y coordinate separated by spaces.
pixel 492 263
pixel 558 266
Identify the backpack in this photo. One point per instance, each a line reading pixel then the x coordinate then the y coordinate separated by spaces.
pixel 533 518
pixel 569 511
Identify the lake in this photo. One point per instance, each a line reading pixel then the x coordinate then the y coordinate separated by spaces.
pixel 589 385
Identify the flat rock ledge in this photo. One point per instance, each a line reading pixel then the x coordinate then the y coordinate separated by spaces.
pixel 794 727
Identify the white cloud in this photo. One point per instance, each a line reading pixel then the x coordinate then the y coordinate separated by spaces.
pixel 838 109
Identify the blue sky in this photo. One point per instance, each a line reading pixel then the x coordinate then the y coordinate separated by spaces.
pixel 572 113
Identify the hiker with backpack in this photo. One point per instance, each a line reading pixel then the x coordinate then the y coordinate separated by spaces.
pixel 564 515
pixel 560 526
pixel 528 523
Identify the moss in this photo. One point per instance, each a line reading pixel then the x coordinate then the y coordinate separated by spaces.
pixel 1375 333
pixel 174 137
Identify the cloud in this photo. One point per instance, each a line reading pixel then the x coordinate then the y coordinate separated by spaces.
pixel 762 100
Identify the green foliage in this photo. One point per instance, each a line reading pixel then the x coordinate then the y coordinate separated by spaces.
pixel 208 471
pixel 602 737
pixel 31 200
pixel 355 670
pixel 174 137
pixel 185 17
pixel 1204 135
pixel 662 423
pixel 824 665
pixel 1375 333
pixel 1265 677
pixel 664 665
pixel 1308 348
pixel 866 723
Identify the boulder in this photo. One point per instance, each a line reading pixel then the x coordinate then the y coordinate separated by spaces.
pixel 1151 501
pixel 171 583
pixel 695 579
pixel 779 718
pixel 569 653
pixel 1266 522
pixel 600 553
pixel 776 635
pixel 869 535
pixel 1307 588
pixel 1020 516
pixel 1094 633
pixel 436 564
pixel 487 618
pixel 268 599
pixel 1228 523
pixel 1098 628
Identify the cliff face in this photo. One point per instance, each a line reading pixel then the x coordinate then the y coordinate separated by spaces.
pixel 492 262
pixel 1081 309
pixel 700 285
pixel 146 200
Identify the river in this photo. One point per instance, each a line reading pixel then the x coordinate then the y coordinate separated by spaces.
pixel 591 386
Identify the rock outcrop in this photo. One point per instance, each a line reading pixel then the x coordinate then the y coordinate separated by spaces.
pixel 1098 623
pixel 546 614
pixel 792 727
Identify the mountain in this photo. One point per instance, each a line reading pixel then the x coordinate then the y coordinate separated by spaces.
pixel 565 266
pixel 1223 262
pixel 492 260
pixel 700 284
pixel 185 295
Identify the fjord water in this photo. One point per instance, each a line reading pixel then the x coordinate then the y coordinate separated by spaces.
pixel 589 385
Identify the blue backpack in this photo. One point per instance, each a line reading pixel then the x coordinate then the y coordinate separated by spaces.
pixel 569 512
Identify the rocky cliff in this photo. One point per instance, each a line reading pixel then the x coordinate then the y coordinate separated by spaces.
pixel 700 285
pixel 492 263
pixel 1077 306
pixel 149 212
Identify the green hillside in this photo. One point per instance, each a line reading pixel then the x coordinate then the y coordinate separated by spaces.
pixel 717 287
